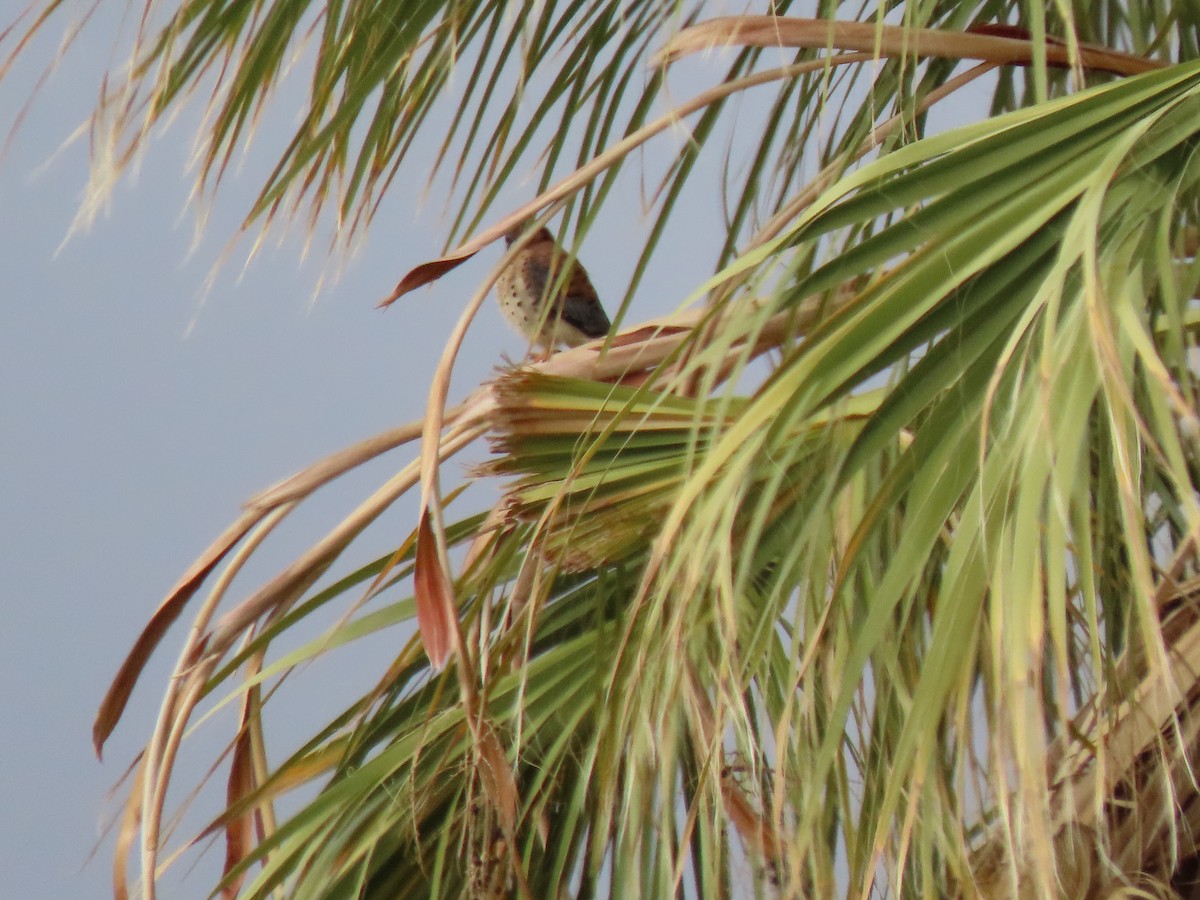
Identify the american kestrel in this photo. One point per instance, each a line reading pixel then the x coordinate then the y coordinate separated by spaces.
pixel 547 296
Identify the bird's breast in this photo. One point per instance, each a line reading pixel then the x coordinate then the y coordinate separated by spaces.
pixel 516 300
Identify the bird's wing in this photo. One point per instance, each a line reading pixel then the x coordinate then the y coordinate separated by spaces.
pixel 576 302
pixel 581 307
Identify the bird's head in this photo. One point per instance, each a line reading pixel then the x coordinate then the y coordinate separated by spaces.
pixel 514 233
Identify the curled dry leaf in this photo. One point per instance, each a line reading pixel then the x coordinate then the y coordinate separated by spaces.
pixel 432 271
pixel 424 274
pixel 436 612
pixel 239 832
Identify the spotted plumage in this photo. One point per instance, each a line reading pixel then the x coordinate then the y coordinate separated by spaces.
pixel 547 296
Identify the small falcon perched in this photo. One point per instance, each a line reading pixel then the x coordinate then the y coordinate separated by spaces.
pixel 547 296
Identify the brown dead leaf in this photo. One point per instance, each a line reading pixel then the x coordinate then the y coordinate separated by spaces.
pixel 435 269
pixel 239 832
pixel 424 274
pixel 436 612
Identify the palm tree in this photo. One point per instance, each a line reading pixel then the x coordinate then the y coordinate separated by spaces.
pixel 873 572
